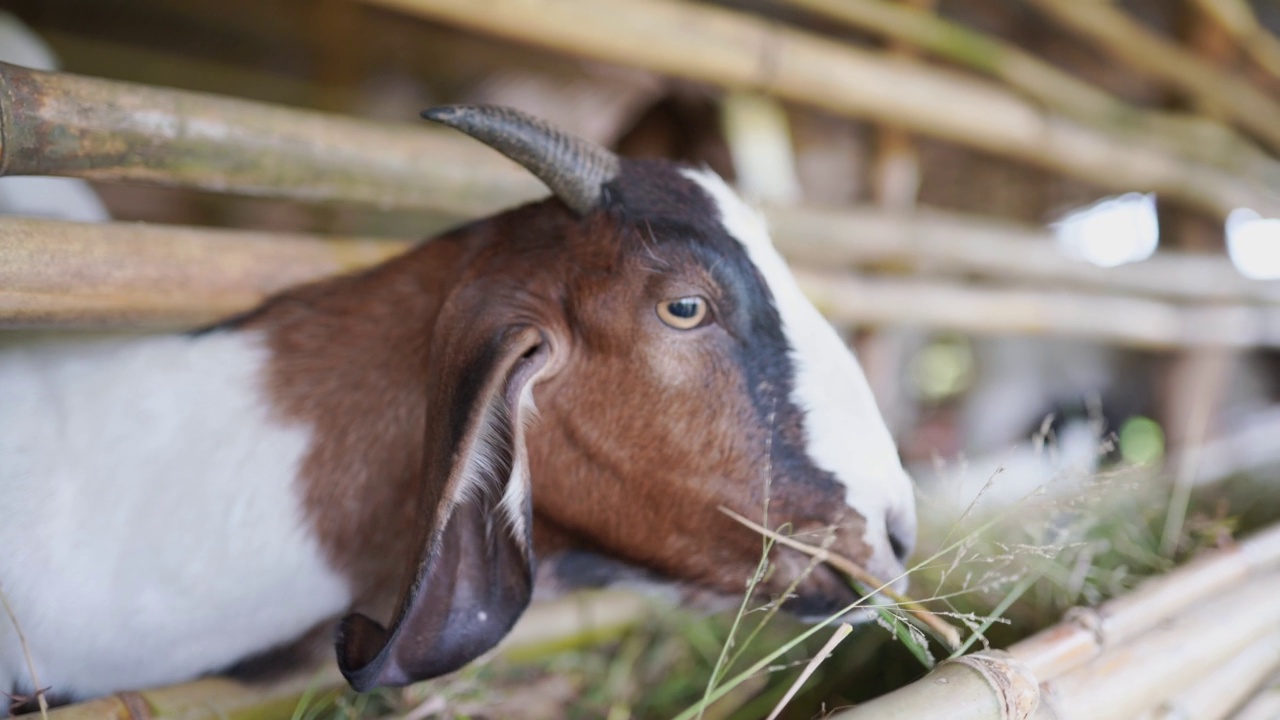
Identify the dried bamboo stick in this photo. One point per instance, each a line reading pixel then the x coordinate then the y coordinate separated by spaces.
pixel 1264 706
pixel 1087 632
pixel 946 243
pixel 1227 687
pixel 71 275
pixel 1126 39
pixel 62 124
pixel 952 41
pixel 1138 675
pixel 59 274
pixel 1238 18
pixel 1120 659
pixel 740 51
pixel 982 686
pixel 571 621
pixel 867 301
pixel 1065 94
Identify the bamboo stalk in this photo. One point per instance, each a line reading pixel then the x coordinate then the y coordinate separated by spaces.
pixel 1264 706
pixel 983 686
pixel 867 301
pixel 948 243
pixel 1126 39
pixel 1195 136
pixel 951 41
pixel 736 50
pixel 63 124
pixel 58 274
pixel 114 274
pixel 1138 675
pixel 1125 657
pixel 1238 18
pixel 1216 695
pixel 1086 633
pixel 571 621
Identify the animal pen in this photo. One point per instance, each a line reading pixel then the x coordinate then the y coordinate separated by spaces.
pixel 946 178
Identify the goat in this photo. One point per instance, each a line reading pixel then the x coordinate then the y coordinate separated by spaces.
pixel 592 375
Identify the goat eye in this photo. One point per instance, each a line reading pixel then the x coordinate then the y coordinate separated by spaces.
pixel 683 313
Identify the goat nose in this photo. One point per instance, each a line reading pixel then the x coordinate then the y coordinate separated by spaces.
pixel 902 536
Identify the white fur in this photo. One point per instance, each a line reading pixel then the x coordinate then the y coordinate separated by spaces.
pixel 847 436
pixel 151 528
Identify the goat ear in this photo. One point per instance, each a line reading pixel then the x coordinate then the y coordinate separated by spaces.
pixel 475 575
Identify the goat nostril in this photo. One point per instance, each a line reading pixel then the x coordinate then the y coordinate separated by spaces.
pixel 902 546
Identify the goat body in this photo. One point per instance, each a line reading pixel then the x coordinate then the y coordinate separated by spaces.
pixel 596 373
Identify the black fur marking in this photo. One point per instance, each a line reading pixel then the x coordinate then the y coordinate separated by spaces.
pixel 669 207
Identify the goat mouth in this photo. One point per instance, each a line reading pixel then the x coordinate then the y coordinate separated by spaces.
pixel 824 592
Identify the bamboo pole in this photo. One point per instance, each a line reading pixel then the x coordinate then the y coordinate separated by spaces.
pixel 1115 661
pixel 60 274
pixel 1238 18
pixel 866 301
pixel 1229 685
pixel 1264 706
pixel 736 50
pixel 1126 39
pixel 65 274
pixel 982 686
pixel 71 125
pixel 948 243
pixel 1137 676
pixel 63 124
pixel 1042 82
pixel 954 42
pixel 1086 633
pixel 575 620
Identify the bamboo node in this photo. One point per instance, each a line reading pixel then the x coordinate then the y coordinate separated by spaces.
pixel 1014 684
pixel 1089 620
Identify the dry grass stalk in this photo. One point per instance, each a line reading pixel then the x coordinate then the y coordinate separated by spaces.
pixel 1238 18
pixel 41 701
pixel 840 634
pixel 856 572
pixel 1088 632
pixel 1121 659
pixel 733 49
pixel 1126 39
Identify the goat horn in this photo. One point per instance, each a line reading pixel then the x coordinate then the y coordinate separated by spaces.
pixel 574 169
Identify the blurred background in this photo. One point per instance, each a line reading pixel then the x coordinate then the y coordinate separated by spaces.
pixel 1050 229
